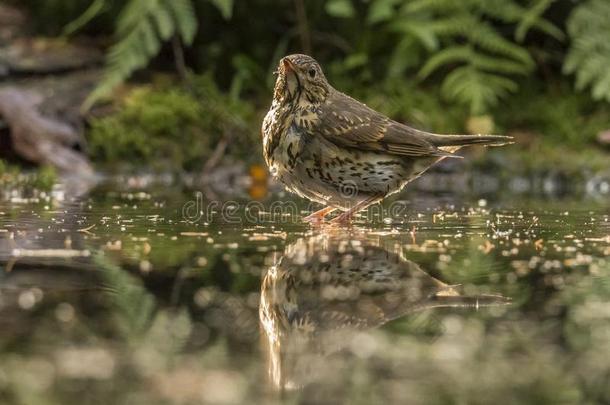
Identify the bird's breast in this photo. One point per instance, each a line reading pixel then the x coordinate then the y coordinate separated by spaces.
pixel 275 124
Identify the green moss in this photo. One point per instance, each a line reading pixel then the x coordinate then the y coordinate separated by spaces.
pixel 173 128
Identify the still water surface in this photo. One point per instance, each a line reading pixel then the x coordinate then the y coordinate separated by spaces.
pixel 126 297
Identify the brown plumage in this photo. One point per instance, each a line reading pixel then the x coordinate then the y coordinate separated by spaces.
pixel 332 149
pixel 327 288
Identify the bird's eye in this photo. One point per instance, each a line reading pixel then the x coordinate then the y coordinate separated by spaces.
pixel 312 73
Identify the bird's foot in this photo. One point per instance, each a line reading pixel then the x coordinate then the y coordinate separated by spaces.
pixel 318 216
pixel 346 217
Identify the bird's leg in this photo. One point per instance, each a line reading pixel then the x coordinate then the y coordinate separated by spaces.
pixel 319 215
pixel 347 215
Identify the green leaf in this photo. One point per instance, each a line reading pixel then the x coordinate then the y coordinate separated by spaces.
pixel 381 10
pixel 132 13
pixel 340 8
pixel 225 7
pixel 445 6
pixel 185 18
pixel 419 30
pixel 90 13
pixel 531 17
pixel 164 22
pixel 356 60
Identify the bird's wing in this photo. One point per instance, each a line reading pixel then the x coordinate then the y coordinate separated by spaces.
pixel 349 123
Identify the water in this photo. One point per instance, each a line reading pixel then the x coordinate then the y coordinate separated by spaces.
pixel 160 296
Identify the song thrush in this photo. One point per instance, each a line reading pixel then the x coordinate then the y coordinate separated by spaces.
pixel 326 288
pixel 332 149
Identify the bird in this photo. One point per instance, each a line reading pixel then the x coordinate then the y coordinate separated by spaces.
pixel 328 147
pixel 327 287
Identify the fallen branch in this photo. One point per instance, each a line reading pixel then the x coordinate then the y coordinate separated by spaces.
pixel 39 139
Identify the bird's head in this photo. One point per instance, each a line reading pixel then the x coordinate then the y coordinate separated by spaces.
pixel 300 80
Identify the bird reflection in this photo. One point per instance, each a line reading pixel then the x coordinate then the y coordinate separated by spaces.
pixel 326 288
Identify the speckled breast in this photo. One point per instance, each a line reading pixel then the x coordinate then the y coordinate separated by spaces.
pixel 319 170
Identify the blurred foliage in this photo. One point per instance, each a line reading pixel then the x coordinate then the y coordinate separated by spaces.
pixel 476 46
pixel 141 28
pixel 432 63
pixel 549 107
pixel 6 171
pixel 41 179
pixel 552 108
pixel 50 17
pixel 134 305
pixel 589 55
pixel 479 59
pixel 168 126
pixel 586 324
pixel 45 178
pixel 414 104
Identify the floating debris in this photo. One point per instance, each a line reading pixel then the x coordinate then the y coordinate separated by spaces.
pixel 48 253
pixel 194 233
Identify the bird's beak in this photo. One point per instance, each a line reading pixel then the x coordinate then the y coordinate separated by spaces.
pixel 287 65
pixel 289 72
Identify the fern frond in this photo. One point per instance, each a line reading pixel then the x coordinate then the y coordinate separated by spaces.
pixel 488 39
pixel 164 22
pixel 184 15
pixel 532 17
pixel 407 53
pixel 589 70
pixel 225 7
pixel 444 57
pixel 467 54
pixel 589 54
pixel 381 10
pixel 548 28
pixel 420 30
pixel 526 18
pixel 463 37
pixel 475 88
pixel 501 10
pixel 142 27
pixel 602 86
pixel 497 64
pixel 444 6
pixel 132 13
pixel 453 25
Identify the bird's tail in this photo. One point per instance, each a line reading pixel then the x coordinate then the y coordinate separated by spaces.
pixel 464 140
pixel 476 301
